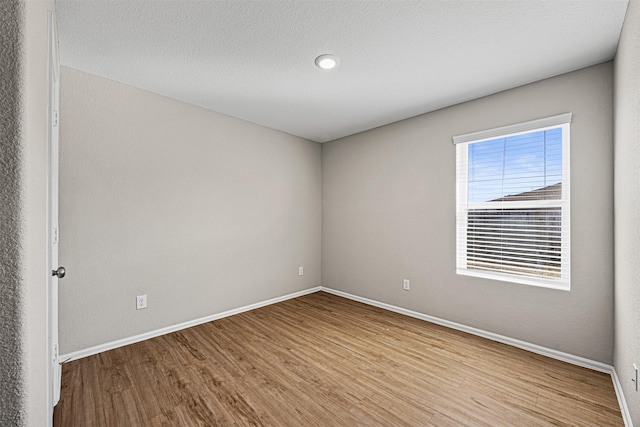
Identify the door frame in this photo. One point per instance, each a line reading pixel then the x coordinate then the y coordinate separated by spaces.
pixel 54 369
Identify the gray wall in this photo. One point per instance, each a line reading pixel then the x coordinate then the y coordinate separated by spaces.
pixel 11 327
pixel 389 213
pixel 200 211
pixel 23 237
pixel 627 206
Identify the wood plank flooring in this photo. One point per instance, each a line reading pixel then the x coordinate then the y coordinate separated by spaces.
pixel 322 360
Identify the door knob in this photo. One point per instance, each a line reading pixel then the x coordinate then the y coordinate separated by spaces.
pixel 60 272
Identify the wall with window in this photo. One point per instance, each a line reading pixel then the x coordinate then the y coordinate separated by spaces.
pixel 627 196
pixel 389 208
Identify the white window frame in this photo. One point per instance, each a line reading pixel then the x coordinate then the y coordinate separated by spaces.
pixel 462 143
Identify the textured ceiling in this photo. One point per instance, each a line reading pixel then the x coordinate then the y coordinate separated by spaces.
pixel 255 59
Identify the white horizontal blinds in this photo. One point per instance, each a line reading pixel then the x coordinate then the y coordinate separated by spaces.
pixel 526 242
pixel 513 204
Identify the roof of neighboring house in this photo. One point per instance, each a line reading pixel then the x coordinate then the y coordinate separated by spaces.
pixel 550 192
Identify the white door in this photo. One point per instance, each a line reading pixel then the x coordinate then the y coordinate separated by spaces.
pixel 56 272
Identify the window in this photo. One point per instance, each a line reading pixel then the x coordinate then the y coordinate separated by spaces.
pixel 512 213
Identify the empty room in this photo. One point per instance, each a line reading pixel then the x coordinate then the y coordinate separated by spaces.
pixel 320 213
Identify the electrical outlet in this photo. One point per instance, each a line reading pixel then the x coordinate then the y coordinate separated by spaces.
pixel 300 271
pixel 635 376
pixel 406 284
pixel 141 302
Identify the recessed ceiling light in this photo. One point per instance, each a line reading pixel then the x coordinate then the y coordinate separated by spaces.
pixel 327 62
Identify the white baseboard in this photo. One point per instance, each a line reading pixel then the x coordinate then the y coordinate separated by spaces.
pixel 534 348
pixel 566 357
pixel 152 334
pixel 626 415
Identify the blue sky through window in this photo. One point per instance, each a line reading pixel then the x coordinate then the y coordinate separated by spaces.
pixel 508 166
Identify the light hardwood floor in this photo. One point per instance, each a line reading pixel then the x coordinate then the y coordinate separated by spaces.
pixel 322 360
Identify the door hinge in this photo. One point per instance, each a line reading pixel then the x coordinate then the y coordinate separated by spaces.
pixel 55 118
pixel 55 235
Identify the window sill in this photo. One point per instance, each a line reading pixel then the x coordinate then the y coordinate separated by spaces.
pixel 529 281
